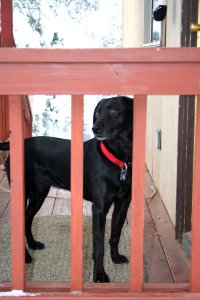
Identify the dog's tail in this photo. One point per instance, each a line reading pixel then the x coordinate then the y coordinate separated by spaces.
pixel 5 146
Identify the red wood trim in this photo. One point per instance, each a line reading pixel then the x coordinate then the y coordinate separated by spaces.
pixel 17 193
pixel 120 290
pixel 195 252
pixel 2 115
pixel 27 110
pixel 5 286
pixel 27 129
pixel 61 287
pixel 87 287
pixel 4 127
pixel 166 287
pixel 103 55
pixel 137 204
pixel 130 78
pixel 51 287
pixel 108 296
pixel 27 117
pixel 7 130
pixel 77 194
pixel 5 116
pixel 6 23
pixel 147 287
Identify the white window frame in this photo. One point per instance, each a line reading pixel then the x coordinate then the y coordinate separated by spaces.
pixel 152 27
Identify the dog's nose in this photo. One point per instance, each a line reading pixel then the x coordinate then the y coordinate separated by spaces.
pixel 96 130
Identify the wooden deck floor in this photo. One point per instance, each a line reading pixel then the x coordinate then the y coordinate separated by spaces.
pixel 165 259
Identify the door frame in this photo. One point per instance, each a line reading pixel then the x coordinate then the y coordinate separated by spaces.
pixel 185 132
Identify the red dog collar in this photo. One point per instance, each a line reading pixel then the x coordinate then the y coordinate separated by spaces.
pixel 112 158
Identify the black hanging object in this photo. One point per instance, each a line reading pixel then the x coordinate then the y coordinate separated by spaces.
pixel 160 12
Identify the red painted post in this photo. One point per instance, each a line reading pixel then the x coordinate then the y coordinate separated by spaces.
pixel 6 24
pixel 195 250
pixel 17 193
pixel 77 194
pixel 137 204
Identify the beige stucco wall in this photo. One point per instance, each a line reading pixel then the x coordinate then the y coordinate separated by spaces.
pixel 133 23
pixel 162 112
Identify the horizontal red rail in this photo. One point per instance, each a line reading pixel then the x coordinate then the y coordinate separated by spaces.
pixel 62 287
pixel 81 72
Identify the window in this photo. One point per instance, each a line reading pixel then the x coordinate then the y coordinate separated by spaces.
pixel 154 31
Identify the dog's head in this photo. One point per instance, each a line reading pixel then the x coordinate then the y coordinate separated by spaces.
pixel 112 116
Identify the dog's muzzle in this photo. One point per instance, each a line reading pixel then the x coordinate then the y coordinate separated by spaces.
pixel 101 135
pixel 98 133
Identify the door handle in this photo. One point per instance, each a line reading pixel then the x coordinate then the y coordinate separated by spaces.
pixel 194 27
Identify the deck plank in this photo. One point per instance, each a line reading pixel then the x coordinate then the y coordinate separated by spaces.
pixel 47 207
pixel 157 268
pixel 62 207
pixel 2 174
pixel 175 255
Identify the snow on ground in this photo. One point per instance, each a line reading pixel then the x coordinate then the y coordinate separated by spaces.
pixel 16 293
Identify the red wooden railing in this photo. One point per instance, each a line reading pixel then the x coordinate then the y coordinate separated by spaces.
pixel 7 40
pixel 138 72
pixel 101 71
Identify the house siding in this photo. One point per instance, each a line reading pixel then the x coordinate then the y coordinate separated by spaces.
pixel 162 111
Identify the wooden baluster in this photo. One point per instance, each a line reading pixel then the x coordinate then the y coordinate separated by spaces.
pixel 137 204
pixel 17 193
pixel 77 194
pixel 195 250
pixel 6 23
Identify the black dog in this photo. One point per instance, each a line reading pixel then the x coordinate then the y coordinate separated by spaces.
pixel 107 175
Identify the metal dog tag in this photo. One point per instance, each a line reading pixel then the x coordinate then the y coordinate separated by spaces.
pixel 123 173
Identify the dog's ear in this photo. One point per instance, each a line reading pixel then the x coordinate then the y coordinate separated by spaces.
pixel 128 102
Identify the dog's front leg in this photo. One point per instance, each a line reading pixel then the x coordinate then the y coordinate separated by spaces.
pixel 118 218
pixel 99 223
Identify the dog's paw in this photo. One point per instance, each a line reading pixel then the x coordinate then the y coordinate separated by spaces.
pixel 101 277
pixel 119 259
pixel 36 245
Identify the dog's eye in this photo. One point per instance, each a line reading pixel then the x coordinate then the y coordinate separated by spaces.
pixel 97 115
pixel 113 112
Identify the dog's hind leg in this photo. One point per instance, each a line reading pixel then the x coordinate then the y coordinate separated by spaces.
pixel 118 218
pixel 36 198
